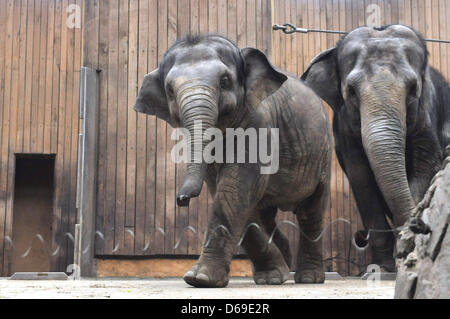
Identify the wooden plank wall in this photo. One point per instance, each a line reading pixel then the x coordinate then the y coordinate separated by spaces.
pixel 136 211
pixel 40 59
pixel 294 52
pixel 137 181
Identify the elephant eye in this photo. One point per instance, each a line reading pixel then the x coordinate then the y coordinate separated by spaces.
pixel 351 91
pixel 413 90
pixel 170 92
pixel 225 82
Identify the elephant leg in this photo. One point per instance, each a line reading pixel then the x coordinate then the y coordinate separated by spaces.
pixel 237 192
pixel 310 218
pixel 269 266
pixel 268 216
pixel 371 204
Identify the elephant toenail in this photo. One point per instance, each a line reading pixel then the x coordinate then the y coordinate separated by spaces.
pixel 202 277
pixel 260 281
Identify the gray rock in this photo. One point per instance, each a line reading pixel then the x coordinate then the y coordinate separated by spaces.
pixel 423 260
pixel 406 244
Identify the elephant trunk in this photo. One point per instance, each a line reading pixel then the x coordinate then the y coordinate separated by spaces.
pixel 383 131
pixel 198 112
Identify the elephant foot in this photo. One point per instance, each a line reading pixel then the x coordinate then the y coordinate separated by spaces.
pixel 385 261
pixel 207 276
pixel 310 276
pixel 274 276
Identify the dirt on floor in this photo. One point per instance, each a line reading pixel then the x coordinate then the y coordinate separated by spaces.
pixel 241 288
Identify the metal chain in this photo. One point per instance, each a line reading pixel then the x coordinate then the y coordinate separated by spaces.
pixel 289 28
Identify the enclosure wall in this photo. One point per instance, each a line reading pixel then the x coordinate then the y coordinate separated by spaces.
pixel 40 59
pixel 137 182
pixel 41 54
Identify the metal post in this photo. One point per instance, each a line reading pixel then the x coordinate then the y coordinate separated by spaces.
pixel 87 170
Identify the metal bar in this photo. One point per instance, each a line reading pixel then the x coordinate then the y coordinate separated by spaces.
pixel 88 170
pixel 437 40
pixel 79 169
pixel 77 252
pixel 289 28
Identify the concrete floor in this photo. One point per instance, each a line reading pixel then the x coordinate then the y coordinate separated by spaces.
pixel 239 288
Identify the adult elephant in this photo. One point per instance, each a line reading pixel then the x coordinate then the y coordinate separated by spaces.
pixel 210 81
pixel 391 123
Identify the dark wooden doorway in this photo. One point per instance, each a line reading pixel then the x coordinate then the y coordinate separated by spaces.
pixel 33 213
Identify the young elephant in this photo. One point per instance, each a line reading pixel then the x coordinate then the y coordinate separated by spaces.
pixel 391 123
pixel 208 79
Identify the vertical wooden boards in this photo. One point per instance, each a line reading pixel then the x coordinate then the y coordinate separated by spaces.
pixel 443 34
pixel 39 127
pixel 447 10
pixel 6 125
pixel 103 62
pixel 50 70
pixel 232 20
pixel 91 33
pixel 121 128
pixel 3 140
pixel 57 111
pixel 131 153
pixel 110 246
pixel 141 128
pixel 40 60
pixel 222 17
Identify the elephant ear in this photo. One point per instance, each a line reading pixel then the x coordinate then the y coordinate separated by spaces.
pixel 152 99
pixel 322 76
pixel 262 80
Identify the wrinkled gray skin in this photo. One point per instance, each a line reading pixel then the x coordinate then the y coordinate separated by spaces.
pixel 209 79
pixel 391 123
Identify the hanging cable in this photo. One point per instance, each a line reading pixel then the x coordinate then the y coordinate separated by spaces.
pixel 289 28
